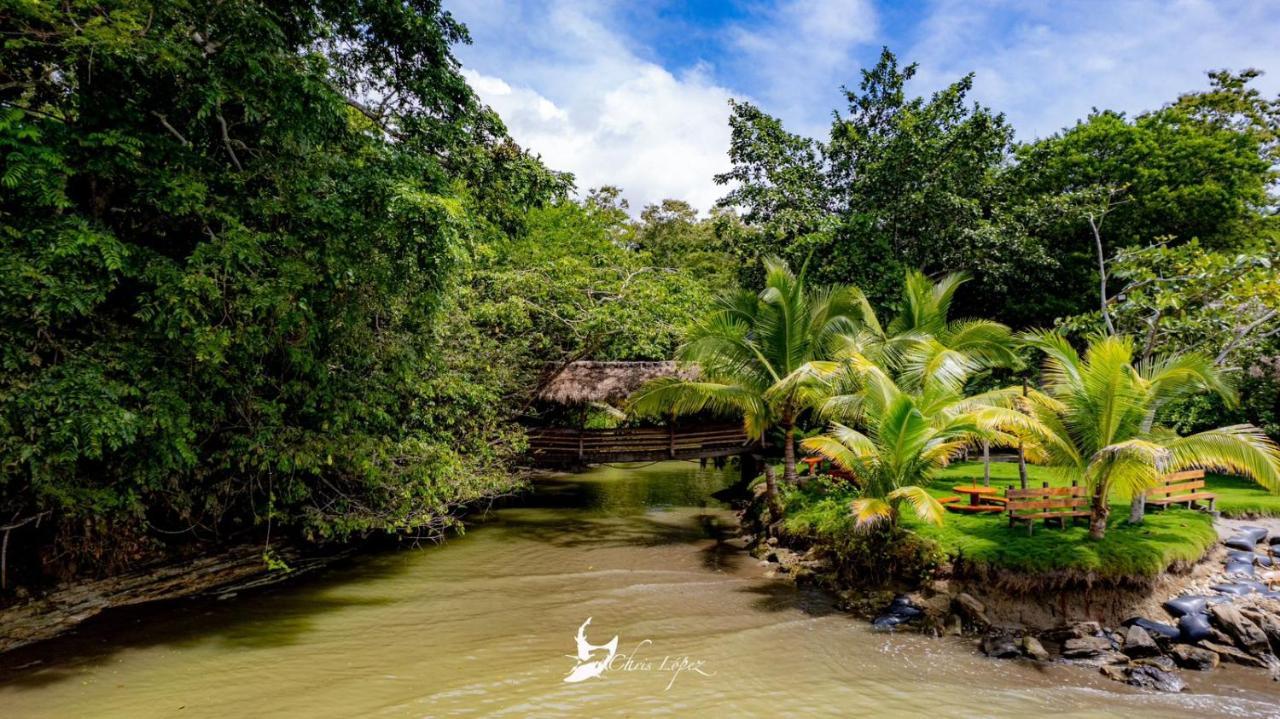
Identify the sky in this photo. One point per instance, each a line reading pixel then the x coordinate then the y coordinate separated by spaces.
pixel 635 93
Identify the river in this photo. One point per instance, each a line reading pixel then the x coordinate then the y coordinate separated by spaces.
pixel 485 625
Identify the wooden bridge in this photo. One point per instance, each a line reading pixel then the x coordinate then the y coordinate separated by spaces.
pixel 566 446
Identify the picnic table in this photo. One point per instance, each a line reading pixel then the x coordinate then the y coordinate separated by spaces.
pixel 980 499
pixel 812 462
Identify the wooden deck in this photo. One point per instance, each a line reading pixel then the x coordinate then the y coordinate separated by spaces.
pixel 563 446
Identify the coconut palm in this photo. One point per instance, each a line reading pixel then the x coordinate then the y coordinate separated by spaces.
pixel 907 436
pixel 922 339
pixel 765 356
pixel 1094 421
pixel 924 319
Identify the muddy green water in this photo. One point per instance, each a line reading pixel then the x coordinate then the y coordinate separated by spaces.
pixel 485 626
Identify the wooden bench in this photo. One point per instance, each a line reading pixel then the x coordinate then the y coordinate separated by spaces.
pixel 1052 504
pixel 1179 488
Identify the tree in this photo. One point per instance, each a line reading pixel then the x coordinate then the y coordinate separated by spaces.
pixel 226 235
pixel 764 355
pixel 901 182
pixel 1110 183
pixel 908 434
pixel 1093 421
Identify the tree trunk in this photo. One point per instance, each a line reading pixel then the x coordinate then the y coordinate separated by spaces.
pixel 771 493
pixel 789 474
pixel 986 463
pixel 1138 506
pixel 1022 465
pixel 1098 520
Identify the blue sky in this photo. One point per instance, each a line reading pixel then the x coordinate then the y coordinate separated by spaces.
pixel 635 93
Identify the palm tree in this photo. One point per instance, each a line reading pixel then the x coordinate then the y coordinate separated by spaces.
pixel 909 434
pixel 922 339
pixel 924 318
pixel 763 355
pixel 1094 421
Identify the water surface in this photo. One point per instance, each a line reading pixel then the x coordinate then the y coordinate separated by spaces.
pixel 484 626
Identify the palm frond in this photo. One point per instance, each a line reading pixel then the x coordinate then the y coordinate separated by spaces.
pixel 926 507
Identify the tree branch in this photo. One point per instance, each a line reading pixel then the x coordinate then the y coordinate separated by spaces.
pixel 226 142
pixel 172 130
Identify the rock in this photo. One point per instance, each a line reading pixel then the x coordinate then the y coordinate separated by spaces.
pixel 1081 647
pixel 1138 643
pixel 1186 604
pixel 954 626
pixel 1240 589
pixel 1101 658
pixel 1247 634
pixel 1268 623
pixel 1163 663
pixel 1199 659
pixel 1157 630
pixel 1194 627
pixel 1034 649
pixel 1234 656
pixel 1240 569
pixel 973 611
pixel 1236 555
pixel 1000 646
pixel 772 541
pixel 1240 542
pixel 1257 534
pixel 1157 679
pixel 739 543
pixel 1114 672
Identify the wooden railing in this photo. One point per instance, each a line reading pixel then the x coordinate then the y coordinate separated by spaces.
pixel 635 444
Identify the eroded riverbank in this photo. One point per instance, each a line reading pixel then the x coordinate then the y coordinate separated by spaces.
pixel 485 626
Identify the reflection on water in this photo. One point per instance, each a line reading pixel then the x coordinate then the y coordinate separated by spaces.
pixel 485 626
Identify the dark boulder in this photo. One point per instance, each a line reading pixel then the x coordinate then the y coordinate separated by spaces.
pixel 1186 604
pixel 1157 679
pixel 1240 589
pixel 1193 628
pixel 1240 569
pixel 1236 555
pixel 1257 534
pixel 1000 646
pixel 1241 542
pixel 1155 629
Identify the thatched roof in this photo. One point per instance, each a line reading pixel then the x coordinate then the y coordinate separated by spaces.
pixel 607 382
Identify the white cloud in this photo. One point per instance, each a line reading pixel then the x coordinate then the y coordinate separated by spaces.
pixel 1048 66
pixel 591 106
pixel 796 55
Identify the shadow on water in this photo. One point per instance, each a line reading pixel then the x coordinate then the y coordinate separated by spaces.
pixel 268 617
pixel 619 507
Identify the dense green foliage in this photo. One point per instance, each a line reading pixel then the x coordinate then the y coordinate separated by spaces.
pixel 939 184
pixel 227 232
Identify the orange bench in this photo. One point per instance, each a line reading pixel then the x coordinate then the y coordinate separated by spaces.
pixel 1052 504
pixel 1181 487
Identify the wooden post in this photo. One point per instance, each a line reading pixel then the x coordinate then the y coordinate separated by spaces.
pixel 671 438
pixel 580 453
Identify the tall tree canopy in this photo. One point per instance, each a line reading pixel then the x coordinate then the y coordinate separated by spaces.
pixel 227 228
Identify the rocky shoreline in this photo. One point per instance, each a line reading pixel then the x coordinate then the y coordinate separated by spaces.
pixel 1222 610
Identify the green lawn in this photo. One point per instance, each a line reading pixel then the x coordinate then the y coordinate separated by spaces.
pixel 1236 497
pixel 1127 551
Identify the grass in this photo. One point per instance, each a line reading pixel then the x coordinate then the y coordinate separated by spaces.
pixel 986 540
pixel 1237 497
